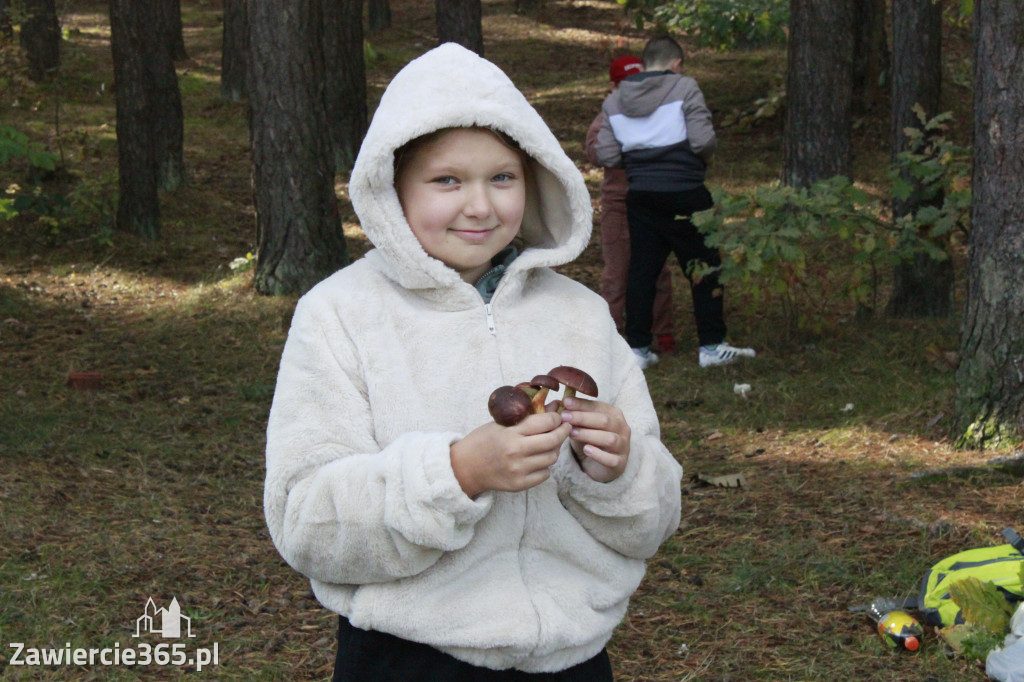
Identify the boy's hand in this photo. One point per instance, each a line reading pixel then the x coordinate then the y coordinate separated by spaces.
pixel 508 458
pixel 600 437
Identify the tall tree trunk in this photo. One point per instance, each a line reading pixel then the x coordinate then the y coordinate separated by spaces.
pixel 989 404
pixel 923 287
pixel 40 38
pixel 379 15
pixel 460 21
pixel 168 117
pixel 234 51
pixel 133 29
pixel 345 85
pixel 175 30
pixel 871 55
pixel 297 224
pixel 818 92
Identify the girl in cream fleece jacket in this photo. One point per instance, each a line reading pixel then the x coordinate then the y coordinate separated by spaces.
pixel 441 538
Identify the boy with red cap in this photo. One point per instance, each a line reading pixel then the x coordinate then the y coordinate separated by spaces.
pixel 615 231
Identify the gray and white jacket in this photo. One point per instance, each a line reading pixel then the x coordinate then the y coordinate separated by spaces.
pixel 391 360
pixel 658 128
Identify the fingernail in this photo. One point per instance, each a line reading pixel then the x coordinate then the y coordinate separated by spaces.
pixel 566 416
pixel 569 402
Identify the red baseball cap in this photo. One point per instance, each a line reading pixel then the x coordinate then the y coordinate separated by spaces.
pixel 623 66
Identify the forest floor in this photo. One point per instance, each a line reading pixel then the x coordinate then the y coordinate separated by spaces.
pixel 151 486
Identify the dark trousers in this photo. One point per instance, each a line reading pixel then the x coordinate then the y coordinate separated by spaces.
pixel 367 656
pixel 659 224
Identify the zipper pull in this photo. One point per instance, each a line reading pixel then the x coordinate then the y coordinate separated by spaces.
pixel 490 318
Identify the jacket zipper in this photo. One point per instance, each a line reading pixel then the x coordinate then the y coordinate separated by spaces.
pixel 490 318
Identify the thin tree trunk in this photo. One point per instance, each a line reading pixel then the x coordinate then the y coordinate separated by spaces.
pixel 234 51
pixel 819 88
pixel 989 404
pixel 345 84
pixel 138 208
pixel 871 61
pixel 460 21
pixel 297 224
pixel 379 15
pixel 923 287
pixel 40 38
pixel 168 116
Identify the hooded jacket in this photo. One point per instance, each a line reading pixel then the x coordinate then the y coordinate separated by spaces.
pixel 391 360
pixel 658 127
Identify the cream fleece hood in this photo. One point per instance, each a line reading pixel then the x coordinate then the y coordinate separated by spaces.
pixel 391 360
pixel 472 92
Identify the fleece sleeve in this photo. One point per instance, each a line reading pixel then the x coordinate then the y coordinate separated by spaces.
pixel 341 509
pixel 636 512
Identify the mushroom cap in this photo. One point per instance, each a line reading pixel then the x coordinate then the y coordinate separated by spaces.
pixel 509 405
pixel 544 381
pixel 575 378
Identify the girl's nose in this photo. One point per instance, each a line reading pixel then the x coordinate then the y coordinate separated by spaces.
pixel 477 202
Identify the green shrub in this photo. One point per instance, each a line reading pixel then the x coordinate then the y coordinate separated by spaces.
pixel 806 249
pixel 719 24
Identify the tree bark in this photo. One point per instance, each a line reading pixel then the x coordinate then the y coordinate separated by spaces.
pixel 175 30
pixel 819 89
pixel 168 118
pixel 298 229
pixel 460 21
pixel 40 38
pixel 345 83
pixel 132 30
pixel 989 403
pixel 923 287
pixel 871 61
pixel 234 51
pixel 379 15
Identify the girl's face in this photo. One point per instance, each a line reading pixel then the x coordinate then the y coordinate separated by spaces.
pixel 463 195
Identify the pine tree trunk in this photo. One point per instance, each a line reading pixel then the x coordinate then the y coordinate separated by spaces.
pixel 871 60
pixel 131 30
pixel 460 21
pixel 923 287
pixel 297 224
pixel 379 15
pixel 345 86
pixel 168 117
pixel 40 38
pixel 176 33
pixel 989 404
pixel 234 51
pixel 819 89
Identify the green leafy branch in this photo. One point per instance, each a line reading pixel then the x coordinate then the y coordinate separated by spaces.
pixel 806 248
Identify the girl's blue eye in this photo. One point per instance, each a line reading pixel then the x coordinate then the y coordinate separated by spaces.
pixel 445 180
pixel 503 177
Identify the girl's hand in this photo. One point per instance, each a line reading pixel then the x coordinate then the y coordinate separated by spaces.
pixel 508 458
pixel 600 437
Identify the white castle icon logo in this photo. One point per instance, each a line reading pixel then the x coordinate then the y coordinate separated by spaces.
pixel 165 622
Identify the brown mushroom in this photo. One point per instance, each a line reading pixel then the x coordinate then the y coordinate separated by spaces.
pixel 509 405
pixel 542 384
pixel 574 380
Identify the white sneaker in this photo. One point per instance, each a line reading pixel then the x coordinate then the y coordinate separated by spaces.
pixel 723 354
pixel 645 357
